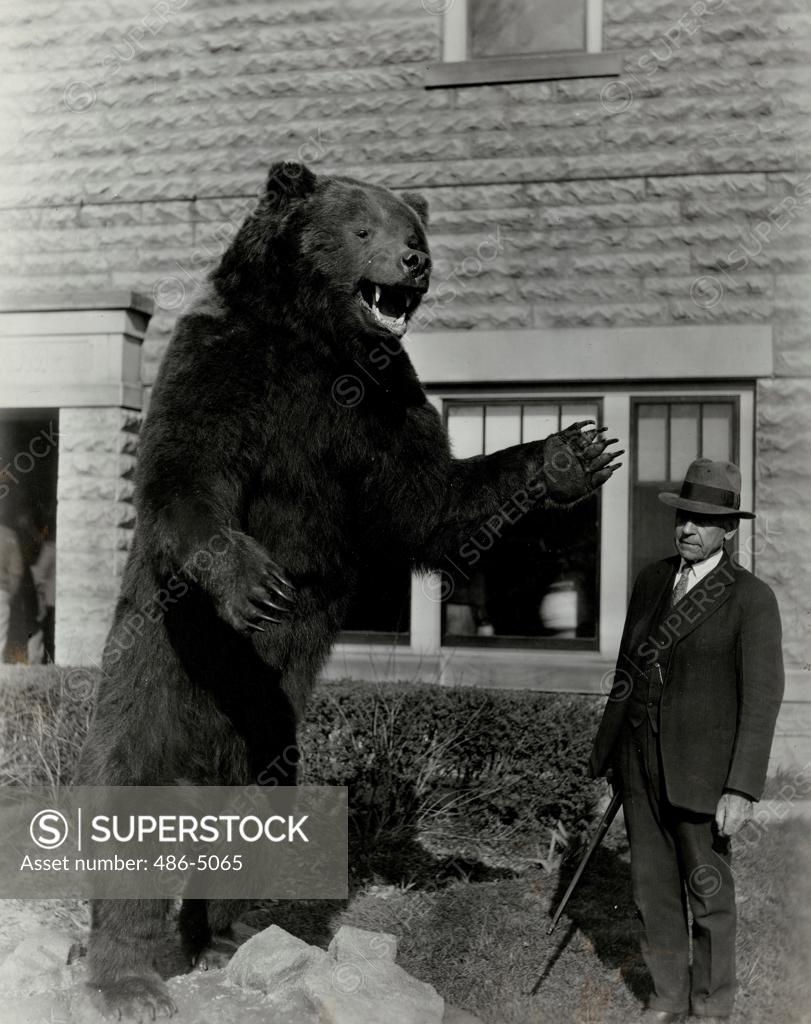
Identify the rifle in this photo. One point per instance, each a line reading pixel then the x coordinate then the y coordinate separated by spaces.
pixel 605 823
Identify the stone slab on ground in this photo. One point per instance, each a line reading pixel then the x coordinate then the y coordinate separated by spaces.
pixel 273 975
pixel 350 943
pixel 272 960
pixel 357 982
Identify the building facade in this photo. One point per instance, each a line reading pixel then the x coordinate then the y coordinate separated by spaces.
pixel 620 198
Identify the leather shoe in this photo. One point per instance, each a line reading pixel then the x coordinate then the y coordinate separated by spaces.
pixel 661 1016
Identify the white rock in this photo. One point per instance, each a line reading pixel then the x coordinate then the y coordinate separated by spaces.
pixel 350 943
pixel 37 964
pixel 363 991
pixel 273 959
pixel 356 983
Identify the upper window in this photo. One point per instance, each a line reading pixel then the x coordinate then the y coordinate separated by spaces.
pixel 502 28
pixel 487 41
pixel 526 577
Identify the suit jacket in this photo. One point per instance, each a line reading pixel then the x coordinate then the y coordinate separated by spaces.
pixel 723 682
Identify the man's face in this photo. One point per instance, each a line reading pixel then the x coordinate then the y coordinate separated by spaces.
pixel 699 536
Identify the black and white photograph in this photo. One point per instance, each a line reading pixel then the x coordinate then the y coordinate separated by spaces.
pixel 405 511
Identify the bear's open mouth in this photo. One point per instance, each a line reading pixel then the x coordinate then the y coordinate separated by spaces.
pixel 388 304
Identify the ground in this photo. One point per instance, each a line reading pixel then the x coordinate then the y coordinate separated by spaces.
pixel 483 944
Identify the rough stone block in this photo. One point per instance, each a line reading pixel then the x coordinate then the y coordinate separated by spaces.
pixel 273 959
pixel 596 191
pixel 357 983
pixel 611 214
pixel 631 263
pixel 350 943
pixel 792 349
pixel 583 314
pixel 783 480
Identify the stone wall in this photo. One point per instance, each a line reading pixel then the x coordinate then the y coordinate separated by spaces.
pixel 137 135
pixel 95 517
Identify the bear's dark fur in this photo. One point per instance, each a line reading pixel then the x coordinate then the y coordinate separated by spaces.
pixel 288 439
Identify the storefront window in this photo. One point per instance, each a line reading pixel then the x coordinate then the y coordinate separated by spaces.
pixel 530 579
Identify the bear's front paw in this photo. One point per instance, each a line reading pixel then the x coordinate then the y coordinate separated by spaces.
pixel 253 589
pixel 577 461
pixel 590 446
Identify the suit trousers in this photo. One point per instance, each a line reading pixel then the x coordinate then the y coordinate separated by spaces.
pixel 677 858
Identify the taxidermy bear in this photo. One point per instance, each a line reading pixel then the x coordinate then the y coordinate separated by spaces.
pixel 261 490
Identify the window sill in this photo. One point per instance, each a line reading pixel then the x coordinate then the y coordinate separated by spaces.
pixel 493 70
pixel 358 636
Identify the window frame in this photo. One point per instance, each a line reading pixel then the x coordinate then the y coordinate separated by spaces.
pixel 456 68
pixel 550 397
pixel 699 396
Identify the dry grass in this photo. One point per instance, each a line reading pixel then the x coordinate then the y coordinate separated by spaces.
pixel 484 944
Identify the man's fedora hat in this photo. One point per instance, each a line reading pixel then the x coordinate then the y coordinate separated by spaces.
pixel 711 489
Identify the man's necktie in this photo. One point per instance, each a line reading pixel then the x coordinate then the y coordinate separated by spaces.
pixel 681 585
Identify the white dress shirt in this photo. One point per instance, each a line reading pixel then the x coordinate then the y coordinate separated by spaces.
pixel 698 570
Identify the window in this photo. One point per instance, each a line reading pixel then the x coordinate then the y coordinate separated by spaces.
pixel 667 436
pixel 500 28
pixel 520 580
pixel 486 41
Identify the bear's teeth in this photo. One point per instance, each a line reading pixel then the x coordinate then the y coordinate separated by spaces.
pixel 377 294
pixel 395 324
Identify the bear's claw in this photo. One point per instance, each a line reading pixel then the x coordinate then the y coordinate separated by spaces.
pixel 249 585
pixel 130 998
pixel 590 446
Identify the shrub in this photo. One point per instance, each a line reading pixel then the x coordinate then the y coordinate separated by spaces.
pixel 44 716
pixel 423 758
pixel 418 759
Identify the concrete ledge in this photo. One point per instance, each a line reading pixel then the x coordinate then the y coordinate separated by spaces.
pixel 707 352
pixel 24 302
pixel 503 669
pixel 72 350
pixel 530 68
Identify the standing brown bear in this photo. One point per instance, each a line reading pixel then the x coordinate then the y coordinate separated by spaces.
pixel 260 493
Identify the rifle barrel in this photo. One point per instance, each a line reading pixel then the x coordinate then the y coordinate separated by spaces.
pixel 605 823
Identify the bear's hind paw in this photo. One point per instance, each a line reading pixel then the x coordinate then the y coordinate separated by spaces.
pixel 134 998
pixel 216 954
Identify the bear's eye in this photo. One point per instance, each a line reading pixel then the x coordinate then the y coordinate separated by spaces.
pixel 362 233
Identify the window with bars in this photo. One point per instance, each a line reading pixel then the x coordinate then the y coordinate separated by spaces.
pixel 530 579
pixel 667 436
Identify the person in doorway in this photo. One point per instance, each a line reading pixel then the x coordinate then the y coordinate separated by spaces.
pixel 11 573
pixel 26 629
pixel 686 736
pixel 43 572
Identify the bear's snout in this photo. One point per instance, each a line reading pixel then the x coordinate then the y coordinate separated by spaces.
pixel 417 264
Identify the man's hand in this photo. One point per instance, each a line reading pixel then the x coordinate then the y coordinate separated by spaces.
pixel 732 813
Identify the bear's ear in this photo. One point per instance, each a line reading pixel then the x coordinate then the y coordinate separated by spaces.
pixel 418 203
pixel 288 180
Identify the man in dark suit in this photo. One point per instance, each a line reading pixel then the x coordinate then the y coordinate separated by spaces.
pixel 686 735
